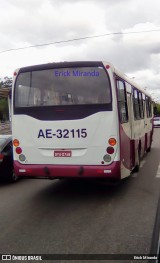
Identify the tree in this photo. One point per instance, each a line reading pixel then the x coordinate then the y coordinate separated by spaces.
pixel 156 109
pixel 6 82
pixel 4 112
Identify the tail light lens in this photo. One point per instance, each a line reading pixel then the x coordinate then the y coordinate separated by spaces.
pixel 110 150
pixel 18 150
pixel 107 158
pixel 22 157
pixel 112 141
pixel 16 143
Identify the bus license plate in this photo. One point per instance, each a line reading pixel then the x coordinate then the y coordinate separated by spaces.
pixel 62 153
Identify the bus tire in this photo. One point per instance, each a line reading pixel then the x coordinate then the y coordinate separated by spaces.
pixel 12 178
pixel 149 149
pixel 137 167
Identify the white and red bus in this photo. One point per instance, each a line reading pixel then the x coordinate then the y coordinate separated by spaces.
pixel 79 119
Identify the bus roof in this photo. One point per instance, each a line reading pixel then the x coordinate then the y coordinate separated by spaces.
pixel 125 77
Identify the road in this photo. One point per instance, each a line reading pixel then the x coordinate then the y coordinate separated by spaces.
pixel 49 217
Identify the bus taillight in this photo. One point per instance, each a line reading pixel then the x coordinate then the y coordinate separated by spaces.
pixel 107 158
pixel 15 142
pixel 112 141
pixel 110 150
pixel 22 157
pixel 18 150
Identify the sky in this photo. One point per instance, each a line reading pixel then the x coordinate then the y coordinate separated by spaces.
pixel 26 23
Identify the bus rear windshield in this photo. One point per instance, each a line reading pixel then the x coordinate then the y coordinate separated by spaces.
pixel 63 86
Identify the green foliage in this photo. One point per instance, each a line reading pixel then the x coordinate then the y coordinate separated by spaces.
pixel 7 82
pixel 157 109
pixel 4 114
pixel 4 110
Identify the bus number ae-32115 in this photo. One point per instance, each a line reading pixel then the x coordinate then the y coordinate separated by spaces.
pixel 49 133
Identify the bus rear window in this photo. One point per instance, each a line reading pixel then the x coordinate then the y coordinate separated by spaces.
pixel 63 86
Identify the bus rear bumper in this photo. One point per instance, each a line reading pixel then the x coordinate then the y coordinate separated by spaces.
pixel 67 171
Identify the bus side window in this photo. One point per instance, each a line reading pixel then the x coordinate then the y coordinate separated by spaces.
pixel 144 104
pixel 122 101
pixel 141 105
pixel 137 114
pixel 148 107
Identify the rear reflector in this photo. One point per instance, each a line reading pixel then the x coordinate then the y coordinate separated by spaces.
pixel 107 171
pixel 100 172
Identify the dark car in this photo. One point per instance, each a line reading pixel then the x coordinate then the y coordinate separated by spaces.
pixel 6 158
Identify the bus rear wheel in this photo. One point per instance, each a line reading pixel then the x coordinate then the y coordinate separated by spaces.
pixel 138 160
pixel 149 149
pixel 12 177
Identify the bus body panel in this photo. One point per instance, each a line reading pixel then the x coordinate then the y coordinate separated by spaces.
pixel 135 135
pixel 50 171
pixel 40 142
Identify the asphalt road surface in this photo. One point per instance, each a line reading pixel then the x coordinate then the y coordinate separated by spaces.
pixel 82 217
